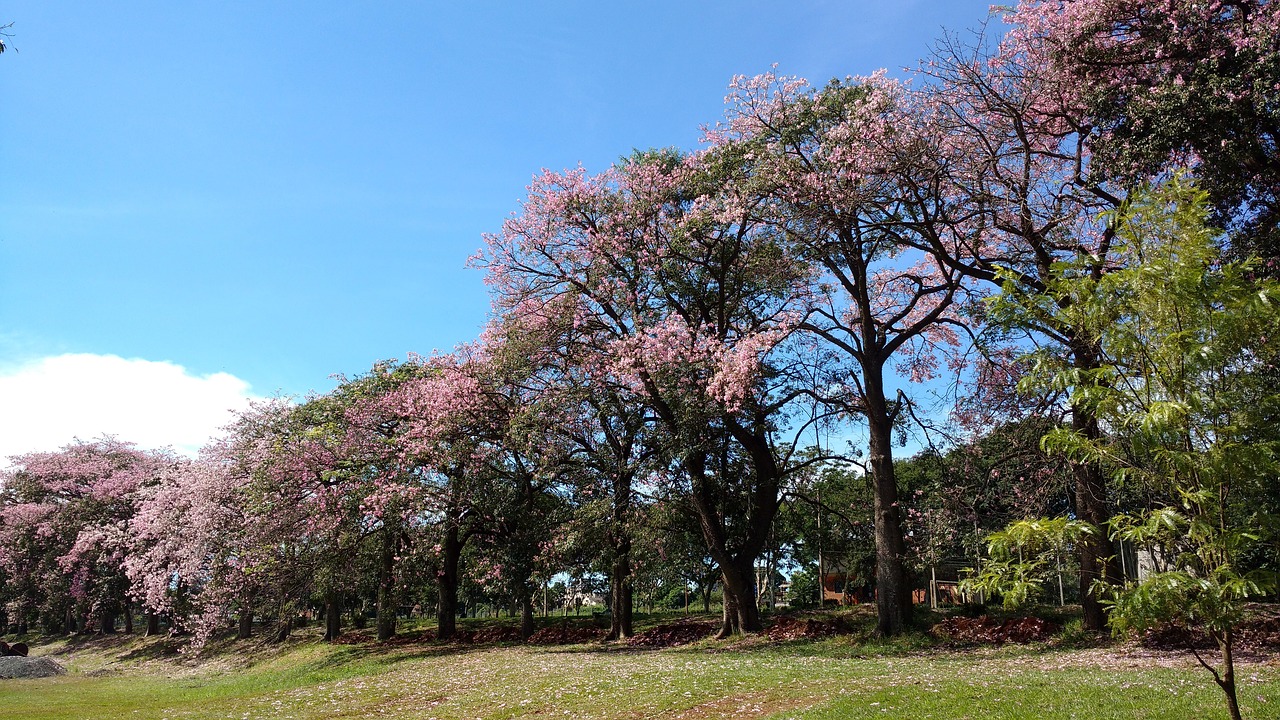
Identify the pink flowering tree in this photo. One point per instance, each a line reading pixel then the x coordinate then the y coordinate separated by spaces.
pixel 186 537
pixel 377 484
pixel 1174 83
pixel 439 429
pixel 475 431
pixel 1026 172
pixel 1078 104
pixel 225 534
pixel 850 179
pixel 529 468
pixel 669 278
pixel 64 526
pixel 612 446
pixel 271 515
pixel 607 441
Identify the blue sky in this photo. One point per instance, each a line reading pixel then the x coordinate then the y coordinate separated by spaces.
pixel 260 195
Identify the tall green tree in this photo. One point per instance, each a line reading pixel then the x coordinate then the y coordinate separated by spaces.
pixel 1188 342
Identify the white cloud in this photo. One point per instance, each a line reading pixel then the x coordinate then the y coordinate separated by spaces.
pixel 46 403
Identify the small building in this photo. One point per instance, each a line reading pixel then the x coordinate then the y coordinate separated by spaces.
pixel 940 586
pixel 842 588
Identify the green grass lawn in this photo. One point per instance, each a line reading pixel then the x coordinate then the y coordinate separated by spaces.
pixel 836 678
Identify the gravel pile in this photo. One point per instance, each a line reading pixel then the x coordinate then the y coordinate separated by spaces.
pixel 29 667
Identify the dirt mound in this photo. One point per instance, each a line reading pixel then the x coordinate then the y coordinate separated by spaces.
pixel 16 666
pixel 1175 637
pixel 989 631
pixel 565 635
pixel 681 633
pixel 786 628
pixel 497 634
pixel 16 649
pixel 1261 633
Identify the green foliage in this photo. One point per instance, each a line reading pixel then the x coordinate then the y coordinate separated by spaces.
pixel 1186 393
pixel 829 510
pixel 1023 557
pixel 803 593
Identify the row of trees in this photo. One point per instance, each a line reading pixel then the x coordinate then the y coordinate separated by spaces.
pixel 665 333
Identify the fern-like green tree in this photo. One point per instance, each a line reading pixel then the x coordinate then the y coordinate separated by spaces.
pixel 1189 343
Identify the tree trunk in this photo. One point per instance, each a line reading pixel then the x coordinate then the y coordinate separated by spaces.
pixel 128 618
pixel 620 591
pixel 737 568
pixel 386 586
pixel 740 611
pixel 527 628
pixel 447 607
pixel 332 615
pixel 284 628
pixel 1097 561
pixel 107 622
pixel 244 623
pixel 153 624
pixel 728 616
pixel 1227 679
pixel 893 592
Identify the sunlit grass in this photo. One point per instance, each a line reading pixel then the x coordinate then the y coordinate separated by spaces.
pixel 837 678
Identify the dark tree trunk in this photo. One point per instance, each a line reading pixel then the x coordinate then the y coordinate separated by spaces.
pixel 128 618
pixel 359 615
pixel 107 622
pixel 244 623
pixel 152 624
pixel 728 616
pixel 386 586
pixel 740 611
pixel 715 533
pixel 69 622
pixel 621 604
pixel 447 606
pixel 527 627
pixel 737 567
pixel 332 615
pixel 620 591
pixel 1097 558
pixel 284 629
pixel 1227 678
pixel 21 620
pixel 893 591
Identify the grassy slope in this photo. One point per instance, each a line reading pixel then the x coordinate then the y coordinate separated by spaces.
pixel 838 678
